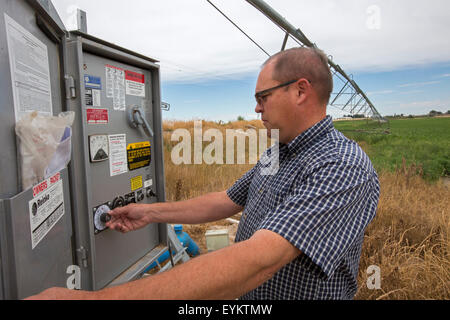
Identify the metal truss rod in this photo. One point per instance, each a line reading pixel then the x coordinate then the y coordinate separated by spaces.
pixel 354 94
pixel 340 92
pixel 354 107
pixel 357 112
pixel 286 37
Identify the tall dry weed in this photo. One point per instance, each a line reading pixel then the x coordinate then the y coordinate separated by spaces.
pixel 408 239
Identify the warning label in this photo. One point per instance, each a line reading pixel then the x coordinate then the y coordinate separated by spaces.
pixel 46 208
pixel 139 155
pixel 136 183
pixel 97 116
pixel 135 83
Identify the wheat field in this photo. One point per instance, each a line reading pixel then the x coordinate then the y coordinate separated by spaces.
pixel 408 239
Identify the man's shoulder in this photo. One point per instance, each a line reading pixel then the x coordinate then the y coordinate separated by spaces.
pixel 335 148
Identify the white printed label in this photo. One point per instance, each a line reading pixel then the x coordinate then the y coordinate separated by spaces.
pixel 115 86
pixel 117 154
pixel 30 71
pixel 148 183
pixel 46 208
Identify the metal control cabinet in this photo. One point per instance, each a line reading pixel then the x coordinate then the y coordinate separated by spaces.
pixel 117 159
pixel 115 89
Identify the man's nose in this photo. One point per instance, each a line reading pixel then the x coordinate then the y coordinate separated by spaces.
pixel 258 108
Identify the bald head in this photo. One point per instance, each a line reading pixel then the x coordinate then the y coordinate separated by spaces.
pixel 308 63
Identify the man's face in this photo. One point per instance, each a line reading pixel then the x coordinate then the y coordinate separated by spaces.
pixel 275 106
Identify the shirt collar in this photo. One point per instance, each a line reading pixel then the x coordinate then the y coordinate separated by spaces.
pixel 304 138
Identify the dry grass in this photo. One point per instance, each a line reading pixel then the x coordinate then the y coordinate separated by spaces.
pixel 409 239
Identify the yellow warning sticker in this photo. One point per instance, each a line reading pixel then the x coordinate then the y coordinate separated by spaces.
pixel 136 183
pixel 138 155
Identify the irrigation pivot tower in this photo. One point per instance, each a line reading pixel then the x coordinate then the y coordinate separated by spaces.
pixel 350 98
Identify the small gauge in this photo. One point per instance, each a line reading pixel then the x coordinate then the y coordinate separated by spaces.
pixel 98 147
pixel 101 216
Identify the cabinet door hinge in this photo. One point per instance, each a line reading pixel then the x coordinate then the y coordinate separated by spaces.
pixel 70 87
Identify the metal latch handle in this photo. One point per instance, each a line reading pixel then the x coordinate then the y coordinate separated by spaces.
pixel 136 118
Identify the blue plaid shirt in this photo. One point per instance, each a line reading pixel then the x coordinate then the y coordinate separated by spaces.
pixel 321 199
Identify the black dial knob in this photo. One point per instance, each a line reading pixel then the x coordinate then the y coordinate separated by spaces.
pixel 105 217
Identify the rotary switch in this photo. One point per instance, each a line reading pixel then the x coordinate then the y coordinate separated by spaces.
pixel 101 217
pixel 118 202
pixel 140 195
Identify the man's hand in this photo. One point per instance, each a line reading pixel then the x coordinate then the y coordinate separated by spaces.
pixel 129 218
pixel 63 294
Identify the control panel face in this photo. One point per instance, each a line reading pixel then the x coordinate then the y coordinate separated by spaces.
pixel 118 105
pixel 118 126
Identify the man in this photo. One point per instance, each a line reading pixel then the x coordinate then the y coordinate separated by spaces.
pixel 302 226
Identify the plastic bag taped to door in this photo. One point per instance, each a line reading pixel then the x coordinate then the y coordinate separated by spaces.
pixel 45 145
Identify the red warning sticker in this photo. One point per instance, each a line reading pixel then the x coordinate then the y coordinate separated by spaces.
pixel 134 76
pixel 97 116
pixel 41 187
pixel 135 83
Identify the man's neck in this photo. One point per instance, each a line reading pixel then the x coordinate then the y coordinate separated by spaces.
pixel 302 127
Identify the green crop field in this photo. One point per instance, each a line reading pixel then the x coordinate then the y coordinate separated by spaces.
pixel 422 143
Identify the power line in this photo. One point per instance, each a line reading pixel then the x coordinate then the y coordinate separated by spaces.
pixel 239 28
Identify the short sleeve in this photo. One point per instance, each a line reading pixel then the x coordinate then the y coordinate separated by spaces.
pixel 238 192
pixel 326 213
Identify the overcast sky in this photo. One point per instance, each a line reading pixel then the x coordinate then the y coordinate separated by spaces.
pixel 200 51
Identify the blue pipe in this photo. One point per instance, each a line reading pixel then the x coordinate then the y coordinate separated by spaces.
pixel 186 241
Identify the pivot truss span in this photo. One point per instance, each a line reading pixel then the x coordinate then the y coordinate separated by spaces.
pixel 349 97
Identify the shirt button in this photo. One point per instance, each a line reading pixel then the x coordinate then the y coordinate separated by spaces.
pixel 261 190
pixel 293 155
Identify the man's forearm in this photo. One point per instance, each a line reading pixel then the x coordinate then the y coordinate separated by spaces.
pixel 207 208
pixel 223 274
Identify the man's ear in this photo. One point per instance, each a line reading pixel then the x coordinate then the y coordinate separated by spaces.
pixel 302 89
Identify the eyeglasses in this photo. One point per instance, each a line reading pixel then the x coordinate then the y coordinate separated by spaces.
pixel 261 95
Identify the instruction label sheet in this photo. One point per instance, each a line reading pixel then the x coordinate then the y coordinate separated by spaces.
pixel 117 154
pixel 30 72
pixel 46 208
pixel 115 86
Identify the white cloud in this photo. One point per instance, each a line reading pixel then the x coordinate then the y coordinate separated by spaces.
pixel 193 41
pixel 372 93
pixel 418 84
